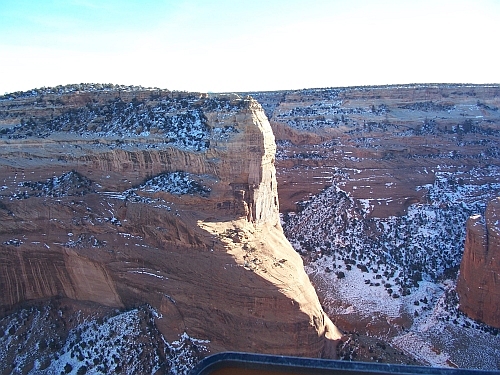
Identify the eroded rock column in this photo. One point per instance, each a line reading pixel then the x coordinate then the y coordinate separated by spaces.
pixel 478 285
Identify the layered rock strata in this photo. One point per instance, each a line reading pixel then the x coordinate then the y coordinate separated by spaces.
pixel 205 249
pixel 392 139
pixel 376 185
pixel 478 284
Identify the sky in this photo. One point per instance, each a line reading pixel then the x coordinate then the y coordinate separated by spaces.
pixel 251 45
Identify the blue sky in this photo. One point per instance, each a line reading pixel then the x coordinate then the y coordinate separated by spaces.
pixel 224 45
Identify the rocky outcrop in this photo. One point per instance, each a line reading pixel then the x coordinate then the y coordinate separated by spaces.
pixel 478 285
pixel 207 252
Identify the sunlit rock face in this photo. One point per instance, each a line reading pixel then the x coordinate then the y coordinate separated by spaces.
pixel 125 197
pixel 479 281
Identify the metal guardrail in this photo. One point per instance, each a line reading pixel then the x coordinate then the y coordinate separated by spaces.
pixel 233 363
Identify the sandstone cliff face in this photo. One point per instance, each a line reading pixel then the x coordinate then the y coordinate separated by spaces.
pixel 478 285
pixel 29 276
pixel 207 251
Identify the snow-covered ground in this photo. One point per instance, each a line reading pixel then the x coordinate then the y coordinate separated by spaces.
pixel 399 250
pixel 400 266
pixel 124 342
pixel 71 183
pixel 441 335
pixel 178 183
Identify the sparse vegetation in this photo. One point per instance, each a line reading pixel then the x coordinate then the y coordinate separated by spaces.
pixel 421 245
pixel 175 183
pixel 68 184
pixel 137 345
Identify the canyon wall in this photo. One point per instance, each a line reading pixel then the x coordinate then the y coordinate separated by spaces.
pixel 478 284
pixel 397 137
pixel 376 185
pixel 162 198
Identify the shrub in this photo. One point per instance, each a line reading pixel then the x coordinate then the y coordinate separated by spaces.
pixel 68 368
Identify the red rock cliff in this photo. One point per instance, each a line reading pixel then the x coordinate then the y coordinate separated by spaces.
pixel 479 280
pixel 216 265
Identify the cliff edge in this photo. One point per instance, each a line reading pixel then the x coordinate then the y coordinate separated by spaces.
pixel 170 199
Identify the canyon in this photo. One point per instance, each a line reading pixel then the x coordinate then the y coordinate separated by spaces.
pixel 376 186
pixel 99 207
pixel 161 209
